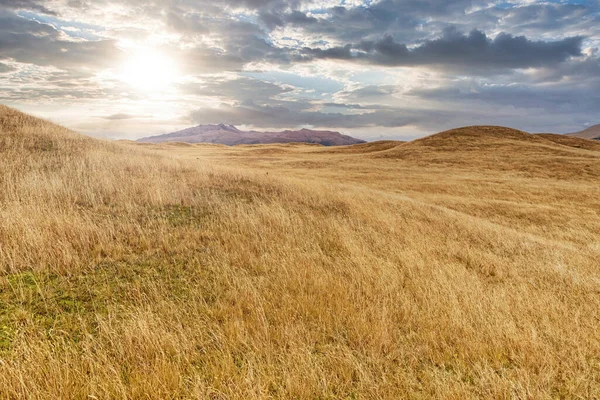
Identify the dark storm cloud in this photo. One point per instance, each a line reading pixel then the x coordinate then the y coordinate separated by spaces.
pixel 471 51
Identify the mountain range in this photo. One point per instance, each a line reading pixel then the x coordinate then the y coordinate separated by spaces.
pixel 230 135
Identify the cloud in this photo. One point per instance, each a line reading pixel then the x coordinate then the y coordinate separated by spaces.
pixel 368 93
pixel 561 97
pixel 120 117
pixel 547 16
pixel 291 115
pixel 6 68
pixel 273 20
pixel 32 42
pixel 472 51
pixel 241 88
pixel 34 5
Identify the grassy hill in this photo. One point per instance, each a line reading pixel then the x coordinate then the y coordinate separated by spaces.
pixel 499 149
pixel 440 268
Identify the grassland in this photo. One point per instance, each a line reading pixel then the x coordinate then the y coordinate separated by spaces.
pixel 464 265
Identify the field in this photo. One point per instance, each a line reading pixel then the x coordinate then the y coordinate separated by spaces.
pixel 463 265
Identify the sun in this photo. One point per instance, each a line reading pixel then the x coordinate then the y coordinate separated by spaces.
pixel 149 70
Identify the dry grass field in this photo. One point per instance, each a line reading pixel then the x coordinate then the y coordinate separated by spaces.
pixel 463 265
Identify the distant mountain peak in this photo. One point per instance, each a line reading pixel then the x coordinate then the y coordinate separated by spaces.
pixel 230 135
pixel 226 127
pixel 218 127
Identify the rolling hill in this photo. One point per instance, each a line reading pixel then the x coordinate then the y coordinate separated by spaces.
pixel 230 135
pixel 494 148
pixel 464 265
pixel 590 133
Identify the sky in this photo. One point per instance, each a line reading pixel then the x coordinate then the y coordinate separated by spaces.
pixel 374 69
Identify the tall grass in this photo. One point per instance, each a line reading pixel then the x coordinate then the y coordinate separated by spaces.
pixel 189 272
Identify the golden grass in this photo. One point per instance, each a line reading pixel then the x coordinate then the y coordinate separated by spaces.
pixel 460 266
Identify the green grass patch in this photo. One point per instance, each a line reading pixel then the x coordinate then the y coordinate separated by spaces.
pixel 183 216
pixel 68 306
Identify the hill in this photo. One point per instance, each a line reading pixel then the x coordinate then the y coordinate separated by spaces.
pixel 473 137
pixel 592 132
pixel 204 271
pixel 230 135
pixel 496 148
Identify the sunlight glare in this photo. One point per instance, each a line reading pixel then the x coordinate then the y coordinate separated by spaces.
pixel 149 71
